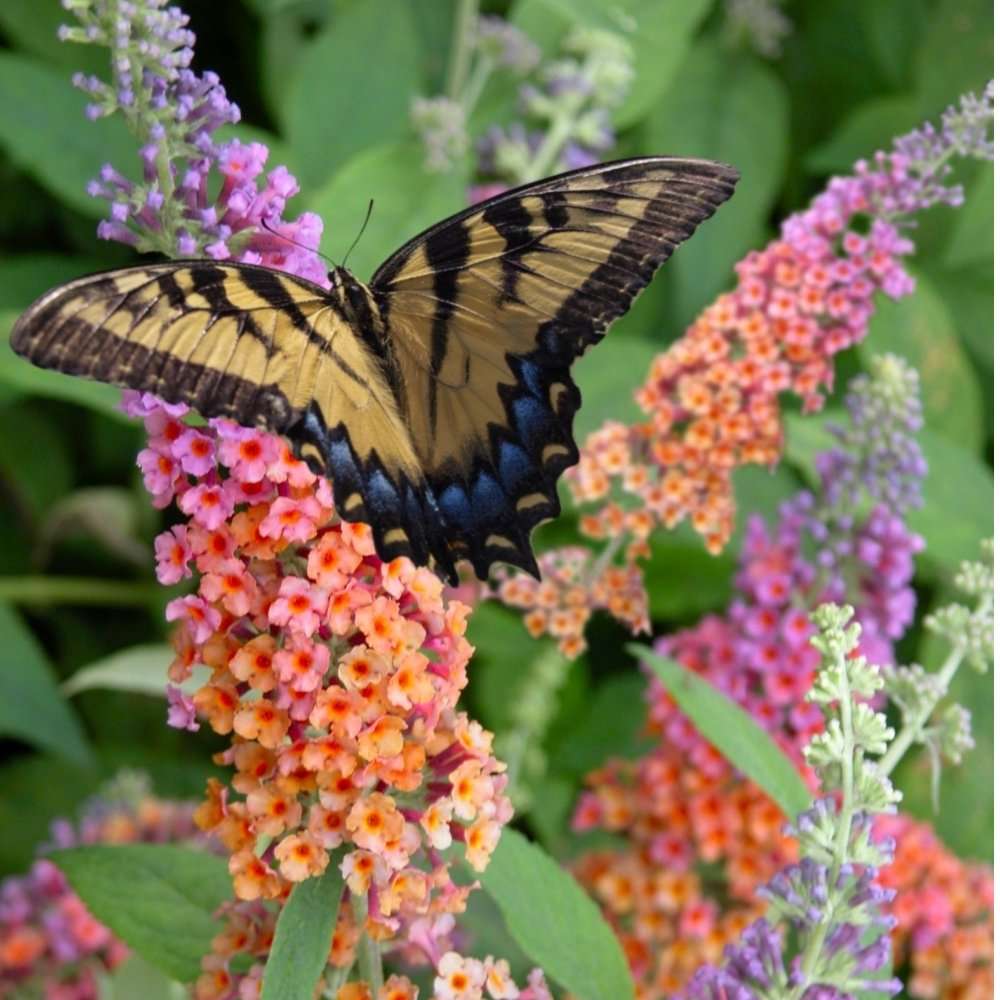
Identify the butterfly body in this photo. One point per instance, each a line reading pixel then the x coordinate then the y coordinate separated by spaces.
pixel 438 397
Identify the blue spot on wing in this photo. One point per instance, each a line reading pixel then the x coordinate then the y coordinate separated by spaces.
pixel 489 501
pixel 514 464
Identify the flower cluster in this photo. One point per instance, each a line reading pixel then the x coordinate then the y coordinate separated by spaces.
pixel 198 195
pixel 943 913
pixel 683 808
pixel 335 675
pixel 712 399
pixel 50 945
pixel 249 931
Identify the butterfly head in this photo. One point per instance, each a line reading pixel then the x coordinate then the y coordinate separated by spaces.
pixel 355 299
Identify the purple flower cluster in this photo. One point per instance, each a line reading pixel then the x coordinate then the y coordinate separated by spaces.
pixel 198 195
pixel 856 945
pixel 847 542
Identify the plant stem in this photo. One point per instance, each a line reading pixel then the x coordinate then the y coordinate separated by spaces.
pixel 461 46
pixel 369 951
pixel 914 726
pixel 46 590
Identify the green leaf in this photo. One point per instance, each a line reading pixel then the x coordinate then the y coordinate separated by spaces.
pixel 137 978
pixel 140 669
pixel 302 938
pixel 33 26
pixel 160 899
pixel 955 55
pixel 554 921
pixel 19 374
pixel 683 579
pixel 659 31
pixel 343 98
pixel 32 708
pixel 958 504
pixel 44 131
pixel 611 727
pixel 24 276
pixel 734 733
pixel 407 200
pixel 608 390
pixel 726 106
pixel 865 130
pixel 25 433
pixel 807 434
pixel 892 29
pixel 971 237
pixel 969 295
pixel 920 328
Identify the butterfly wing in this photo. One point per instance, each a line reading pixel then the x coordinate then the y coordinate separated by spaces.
pixel 487 311
pixel 261 347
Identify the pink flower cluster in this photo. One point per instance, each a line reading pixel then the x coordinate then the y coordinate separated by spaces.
pixel 50 945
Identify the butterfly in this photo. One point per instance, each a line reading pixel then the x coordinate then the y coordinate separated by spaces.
pixel 437 398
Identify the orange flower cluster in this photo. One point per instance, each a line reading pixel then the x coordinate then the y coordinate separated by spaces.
pixel 700 840
pixel 944 914
pixel 335 675
pixel 572 587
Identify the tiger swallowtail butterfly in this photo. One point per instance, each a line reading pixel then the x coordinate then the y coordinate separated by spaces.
pixel 438 398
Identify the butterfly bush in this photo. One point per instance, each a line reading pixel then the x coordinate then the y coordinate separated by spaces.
pixel 683 806
pixel 334 675
pixel 711 400
pixel 50 944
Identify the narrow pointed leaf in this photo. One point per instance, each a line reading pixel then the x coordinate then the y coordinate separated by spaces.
pixel 732 731
pixel 302 937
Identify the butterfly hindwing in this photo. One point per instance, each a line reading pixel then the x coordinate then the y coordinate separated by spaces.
pixel 263 348
pixel 486 312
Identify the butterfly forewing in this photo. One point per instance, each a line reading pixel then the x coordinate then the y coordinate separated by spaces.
pixel 487 311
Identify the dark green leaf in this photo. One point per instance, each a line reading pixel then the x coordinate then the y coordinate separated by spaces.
pixel 608 389
pixel 25 433
pixel 407 200
pixel 868 128
pixel 734 733
pixel 971 237
pixel 611 727
pixel 554 921
pixel 160 899
pixel 683 579
pixel 955 54
pixel 44 131
pixel 969 295
pixel 728 107
pixel 33 26
pixel 32 708
pixel 18 374
pixel 344 98
pixel 302 938
pixel 23 277
pixel 892 29
pixel 958 508
pixel 920 328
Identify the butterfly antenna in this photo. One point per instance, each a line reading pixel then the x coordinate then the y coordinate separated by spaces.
pixel 361 232
pixel 295 243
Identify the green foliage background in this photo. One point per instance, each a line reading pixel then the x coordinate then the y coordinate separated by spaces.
pixel 327 85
